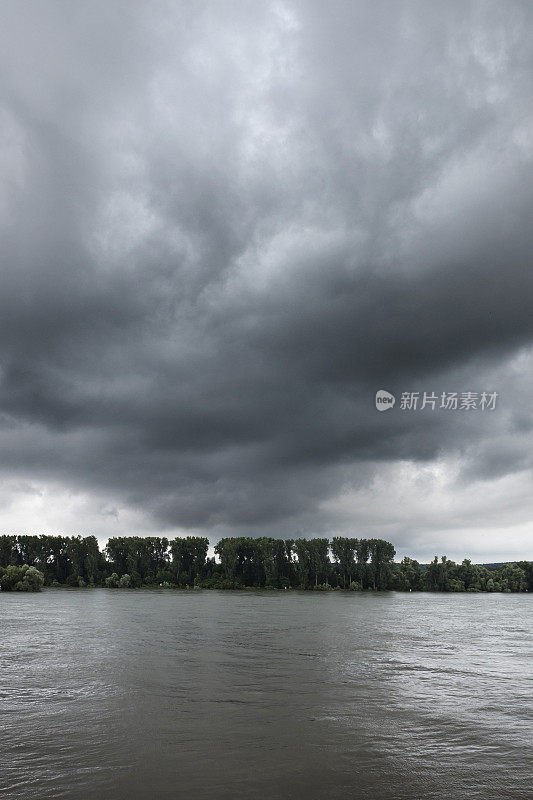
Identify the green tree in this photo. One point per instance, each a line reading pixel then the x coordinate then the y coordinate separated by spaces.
pixel 320 564
pixel 303 564
pixel 409 575
pixel 268 550
pixel 527 569
pixel 362 553
pixel 188 559
pixel 113 581
pixel 21 578
pixel 382 559
pixel 343 550
pixel 439 574
pixel 512 578
pixel 228 552
pixel 33 580
pixel 8 551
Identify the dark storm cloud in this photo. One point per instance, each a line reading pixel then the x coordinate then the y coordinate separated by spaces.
pixel 226 225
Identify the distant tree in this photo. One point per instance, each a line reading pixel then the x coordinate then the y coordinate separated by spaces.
pixel 472 576
pixel 141 555
pixel 8 551
pixel 343 550
pixel 382 558
pixel 512 578
pixel 320 565
pixel 288 546
pixel 84 559
pixel 409 575
pixel 267 551
pixel 188 559
pixel 33 580
pixel 362 553
pixel 118 552
pixel 439 574
pixel 527 569
pixel 113 581
pixel 313 561
pixel 21 579
pixel 244 561
pixel 303 564
pixel 228 552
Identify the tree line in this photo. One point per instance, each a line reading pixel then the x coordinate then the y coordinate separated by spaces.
pixel 28 562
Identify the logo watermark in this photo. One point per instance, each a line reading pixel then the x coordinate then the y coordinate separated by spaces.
pixel 442 401
pixel 384 400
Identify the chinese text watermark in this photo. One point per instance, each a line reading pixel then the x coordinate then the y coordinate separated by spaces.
pixel 446 401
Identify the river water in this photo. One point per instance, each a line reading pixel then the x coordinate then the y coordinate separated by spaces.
pixel 112 694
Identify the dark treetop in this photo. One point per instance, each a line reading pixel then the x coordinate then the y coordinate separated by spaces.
pixel 28 562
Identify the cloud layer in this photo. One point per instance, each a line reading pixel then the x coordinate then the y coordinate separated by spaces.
pixel 225 226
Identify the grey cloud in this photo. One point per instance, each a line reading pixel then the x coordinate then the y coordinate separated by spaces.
pixel 227 225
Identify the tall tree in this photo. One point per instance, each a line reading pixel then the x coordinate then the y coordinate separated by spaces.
pixel 362 552
pixel 343 550
pixel 382 558
pixel 228 552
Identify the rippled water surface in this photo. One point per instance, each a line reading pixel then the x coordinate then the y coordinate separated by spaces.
pixel 159 694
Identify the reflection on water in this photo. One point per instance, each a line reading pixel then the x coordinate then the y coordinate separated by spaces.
pixel 161 694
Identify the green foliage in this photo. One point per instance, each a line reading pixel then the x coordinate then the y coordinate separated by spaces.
pixel 142 556
pixel 313 564
pixel 228 552
pixel 344 554
pixel 446 576
pixel 244 562
pixel 113 581
pixel 527 569
pixel 455 585
pixel 362 554
pixel 188 561
pixel 20 579
pixel 60 559
pixel 382 558
pixel 408 576
pixel 512 578
pixel 256 562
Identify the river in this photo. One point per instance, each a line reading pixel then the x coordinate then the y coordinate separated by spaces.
pixel 158 694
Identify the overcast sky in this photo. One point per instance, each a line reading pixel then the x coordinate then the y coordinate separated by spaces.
pixel 224 227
